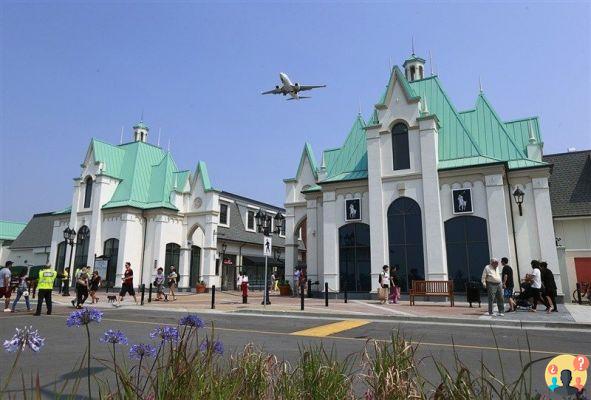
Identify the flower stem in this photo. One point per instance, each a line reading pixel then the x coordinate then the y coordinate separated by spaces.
pixel 18 354
pixel 153 364
pixel 116 374
pixel 88 361
pixel 139 371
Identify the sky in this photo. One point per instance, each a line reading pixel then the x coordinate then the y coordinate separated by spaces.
pixel 71 71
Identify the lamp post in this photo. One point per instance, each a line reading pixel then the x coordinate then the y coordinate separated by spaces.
pixel 223 256
pixel 518 196
pixel 69 235
pixel 264 225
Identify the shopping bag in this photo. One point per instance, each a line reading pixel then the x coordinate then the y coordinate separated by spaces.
pixel 382 293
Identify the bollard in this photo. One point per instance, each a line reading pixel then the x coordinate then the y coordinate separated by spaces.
pixel 309 288
pixel 212 297
pixel 150 294
pixel 302 299
pixel 326 294
pixel 346 294
pixel 143 289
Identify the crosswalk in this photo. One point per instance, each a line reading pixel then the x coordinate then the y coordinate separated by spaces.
pixel 331 329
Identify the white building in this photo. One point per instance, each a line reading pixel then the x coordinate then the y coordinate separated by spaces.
pixel 131 203
pixel 424 187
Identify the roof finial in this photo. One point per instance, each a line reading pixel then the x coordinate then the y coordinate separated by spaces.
pixel 359 107
pixel 480 84
pixel 168 149
pixel 413 46
pixel 142 118
pixel 532 136
pixel 159 132
pixel 430 62
pixel 121 137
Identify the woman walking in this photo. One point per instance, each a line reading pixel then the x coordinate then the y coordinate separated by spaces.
pixel 395 286
pixel 81 288
pixel 95 283
pixel 172 282
pixel 22 290
pixel 159 283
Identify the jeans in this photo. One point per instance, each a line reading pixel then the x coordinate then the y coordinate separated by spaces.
pixel 495 291
pixel 19 293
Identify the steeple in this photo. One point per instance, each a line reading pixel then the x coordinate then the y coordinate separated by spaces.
pixel 140 132
pixel 414 67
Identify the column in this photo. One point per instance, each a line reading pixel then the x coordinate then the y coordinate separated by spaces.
pixel 291 243
pixel 131 244
pixel 331 243
pixel 73 225
pixel 311 244
pixel 184 267
pixel 95 247
pixel 436 259
pixel 209 253
pixel 498 226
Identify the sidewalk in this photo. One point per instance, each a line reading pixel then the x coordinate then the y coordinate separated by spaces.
pixel 570 315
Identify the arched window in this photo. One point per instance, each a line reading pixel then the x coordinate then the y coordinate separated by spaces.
pixel 173 255
pixel 412 73
pixel 405 237
pixel 111 250
pixel 82 242
pixel 466 239
pixel 60 259
pixel 420 72
pixel 87 192
pixel 354 258
pixel 195 266
pixel 400 153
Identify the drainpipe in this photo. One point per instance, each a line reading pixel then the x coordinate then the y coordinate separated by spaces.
pixel 513 224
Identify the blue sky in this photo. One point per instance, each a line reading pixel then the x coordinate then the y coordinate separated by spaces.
pixel 71 71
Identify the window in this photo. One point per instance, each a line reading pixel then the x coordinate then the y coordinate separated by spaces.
pixel 354 258
pixel 412 73
pixel 250 220
pixel 420 72
pixel 173 255
pixel 87 192
pixel 224 214
pixel 82 242
pixel 111 250
pixel 400 153
pixel 60 259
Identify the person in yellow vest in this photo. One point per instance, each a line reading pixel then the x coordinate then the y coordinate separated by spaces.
pixel 47 276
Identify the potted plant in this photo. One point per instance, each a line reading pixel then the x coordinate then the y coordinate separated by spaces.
pixel 200 288
pixel 284 288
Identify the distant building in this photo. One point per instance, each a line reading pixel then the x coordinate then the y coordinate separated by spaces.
pixel 131 203
pixel 33 244
pixel 9 231
pixel 424 187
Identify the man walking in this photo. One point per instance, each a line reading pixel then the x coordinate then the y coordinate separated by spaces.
pixel 491 280
pixel 508 286
pixel 550 289
pixel 535 278
pixel 44 288
pixel 5 288
pixel 127 286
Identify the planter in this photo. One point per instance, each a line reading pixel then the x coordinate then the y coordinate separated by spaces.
pixel 284 290
pixel 200 288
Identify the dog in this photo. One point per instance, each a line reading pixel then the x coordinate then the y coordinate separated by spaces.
pixel 111 299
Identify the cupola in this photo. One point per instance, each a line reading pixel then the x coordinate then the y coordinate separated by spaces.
pixel 140 132
pixel 414 68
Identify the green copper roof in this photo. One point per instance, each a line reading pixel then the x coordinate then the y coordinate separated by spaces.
pixel 202 172
pixel 412 58
pixel 520 131
pixel 11 230
pixel 141 125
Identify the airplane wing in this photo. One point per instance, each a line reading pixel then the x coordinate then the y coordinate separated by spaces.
pixel 310 87
pixel 274 91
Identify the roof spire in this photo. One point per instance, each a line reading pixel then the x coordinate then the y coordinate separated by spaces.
pixel 121 136
pixel 359 107
pixel 159 133
pixel 480 84
pixel 430 62
pixel 413 45
pixel 532 136
pixel 168 149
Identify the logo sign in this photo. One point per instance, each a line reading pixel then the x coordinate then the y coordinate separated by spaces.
pixel 268 246
pixel 462 200
pixel 353 210
pixel 566 375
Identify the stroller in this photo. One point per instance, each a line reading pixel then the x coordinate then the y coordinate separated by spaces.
pixel 522 300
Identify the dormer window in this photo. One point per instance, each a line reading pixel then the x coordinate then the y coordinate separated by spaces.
pixel 400 151
pixel 224 214
pixel 88 192
pixel 250 221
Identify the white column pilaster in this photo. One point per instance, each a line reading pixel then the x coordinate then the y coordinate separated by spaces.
pixel 291 243
pixel 311 244
pixel 498 226
pixel 331 243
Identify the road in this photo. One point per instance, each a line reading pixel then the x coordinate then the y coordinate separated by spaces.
pixel 282 336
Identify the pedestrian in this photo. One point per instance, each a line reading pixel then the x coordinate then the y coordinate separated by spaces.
pixel 384 281
pixel 244 287
pixel 159 283
pixel 22 290
pixel 296 281
pixel 172 282
pixel 95 283
pixel 549 284
pixel 127 285
pixel 47 276
pixel 535 279
pixel 508 285
pixel 65 283
pixel 81 287
pixel 491 280
pixel 395 286
pixel 5 288
pixel 273 280
pixel 303 279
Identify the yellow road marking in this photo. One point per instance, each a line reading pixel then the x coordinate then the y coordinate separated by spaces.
pixel 329 329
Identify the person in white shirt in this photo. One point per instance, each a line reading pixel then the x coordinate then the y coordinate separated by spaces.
pixel 535 279
pixel 491 280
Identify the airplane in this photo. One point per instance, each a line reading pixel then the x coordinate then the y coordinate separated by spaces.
pixel 291 88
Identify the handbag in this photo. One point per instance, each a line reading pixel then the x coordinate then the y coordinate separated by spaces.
pixel 26 293
pixel 382 293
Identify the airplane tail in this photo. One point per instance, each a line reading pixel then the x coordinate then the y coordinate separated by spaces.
pixel 300 97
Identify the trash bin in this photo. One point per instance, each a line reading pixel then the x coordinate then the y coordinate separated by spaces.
pixel 473 292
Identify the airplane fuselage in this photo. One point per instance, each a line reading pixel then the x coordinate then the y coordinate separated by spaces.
pixel 288 87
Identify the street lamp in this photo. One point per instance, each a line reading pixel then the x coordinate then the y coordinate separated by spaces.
pixel 69 236
pixel 264 224
pixel 223 256
pixel 518 196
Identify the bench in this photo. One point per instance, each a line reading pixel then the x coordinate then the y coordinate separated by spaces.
pixel 432 288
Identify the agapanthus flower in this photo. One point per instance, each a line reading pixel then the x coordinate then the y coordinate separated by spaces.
pixel 84 317
pixel 217 346
pixel 23 338
pixel 165 333
pixel 192 320
pixel 142 350
pixel 114 337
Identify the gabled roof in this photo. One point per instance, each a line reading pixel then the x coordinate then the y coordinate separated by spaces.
pixel 111 156
pixel 201 171
pixel 570 183
pixel 408 90
pixel 37 233
pixel 11 230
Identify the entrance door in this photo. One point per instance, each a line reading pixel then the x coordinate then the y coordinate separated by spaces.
pixel 354 258
pixel 111 252
pixel 195 266
pixel 229 272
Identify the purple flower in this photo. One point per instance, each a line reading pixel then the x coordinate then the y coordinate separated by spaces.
pixel 84 317
pixel 165 333
pixel 217 346
pixel 23 338
pixel 192 320
pixel 114 337
pixel 139 351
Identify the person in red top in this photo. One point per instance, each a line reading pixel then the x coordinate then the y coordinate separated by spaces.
pixel 127 286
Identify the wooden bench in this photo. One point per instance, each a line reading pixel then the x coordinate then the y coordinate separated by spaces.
pixel 432 288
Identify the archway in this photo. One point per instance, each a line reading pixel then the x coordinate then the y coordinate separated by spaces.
pixel 354 258
pixel 197 240
pixel 466 239
pixel 405 239
pixel 172 257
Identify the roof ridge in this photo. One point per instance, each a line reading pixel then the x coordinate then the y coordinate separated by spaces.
pixel 521 119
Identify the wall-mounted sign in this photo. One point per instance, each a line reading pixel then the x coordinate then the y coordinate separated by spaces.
pixel 462 199
pixel 353 210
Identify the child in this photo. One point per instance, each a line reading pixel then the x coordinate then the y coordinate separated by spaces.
pixel 22 290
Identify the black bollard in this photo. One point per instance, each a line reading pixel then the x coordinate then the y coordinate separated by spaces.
pixel 212 297
pixel 150 294
pixel 143 289
pixel 326 294
pixel 309 288
pixel 346 294
pixel 302 300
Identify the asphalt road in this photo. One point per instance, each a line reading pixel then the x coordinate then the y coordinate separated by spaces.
pixel 58 360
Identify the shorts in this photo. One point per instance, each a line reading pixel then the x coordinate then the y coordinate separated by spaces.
pixel 126 289
pixel 508 293
pixel 6 293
